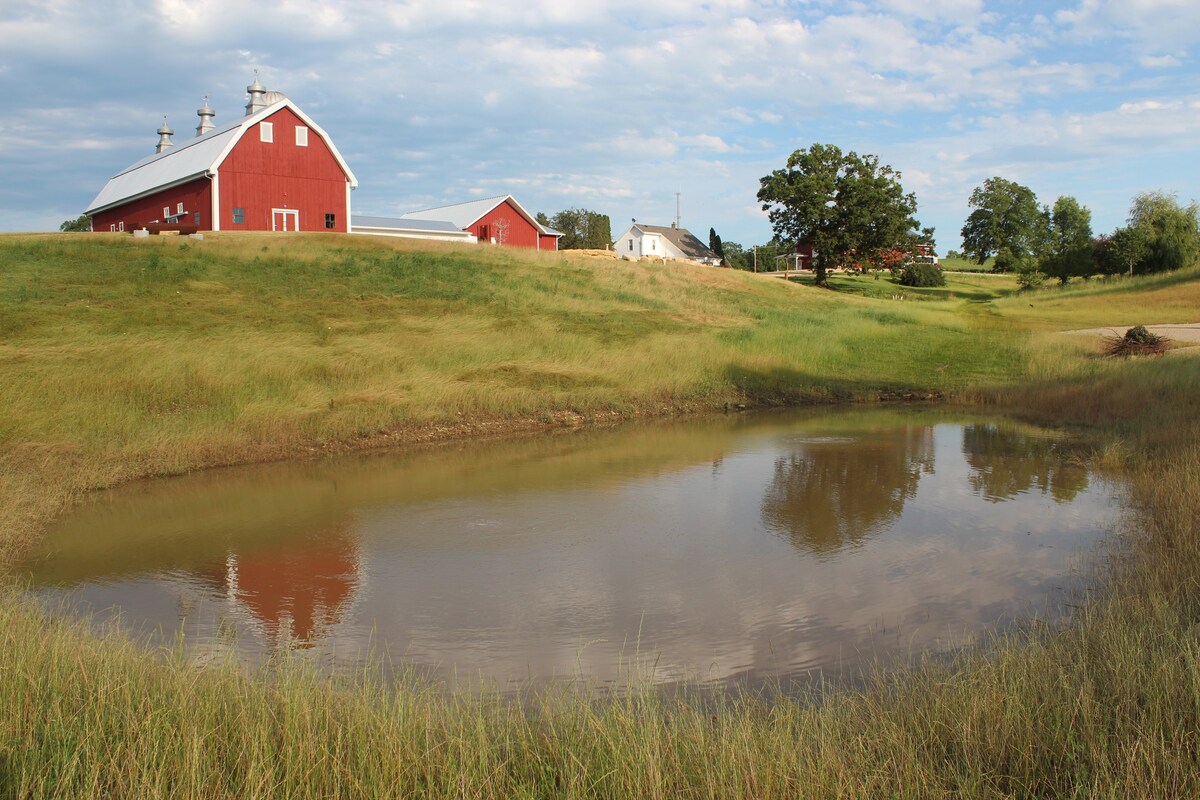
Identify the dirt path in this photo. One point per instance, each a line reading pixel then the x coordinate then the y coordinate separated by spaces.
pixel 1182 332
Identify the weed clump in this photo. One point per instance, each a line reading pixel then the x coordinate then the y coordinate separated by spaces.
pixel 1137 341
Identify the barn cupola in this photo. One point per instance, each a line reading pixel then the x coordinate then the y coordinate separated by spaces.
pixel 257 96
pixel 206 115
pixel 164 137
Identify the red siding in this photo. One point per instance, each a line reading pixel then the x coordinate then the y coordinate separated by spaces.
pixel 519 232
pixel 260 176
pixel 547 242
pixel 195 195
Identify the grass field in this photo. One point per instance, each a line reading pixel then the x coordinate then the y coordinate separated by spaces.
pixel 960 264
pixel 123 359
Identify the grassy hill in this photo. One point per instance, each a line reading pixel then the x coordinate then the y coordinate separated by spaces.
pixel 122 358
pixel 164 355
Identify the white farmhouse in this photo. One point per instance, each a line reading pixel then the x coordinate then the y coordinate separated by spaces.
pixel 655 241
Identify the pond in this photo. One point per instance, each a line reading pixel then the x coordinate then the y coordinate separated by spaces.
pixel 741 550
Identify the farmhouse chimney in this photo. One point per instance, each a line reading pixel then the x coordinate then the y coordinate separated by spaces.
pixel 206 115
pixel 257 102
pixel 164 137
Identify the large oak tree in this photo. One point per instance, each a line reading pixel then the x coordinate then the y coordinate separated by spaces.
pixel 1069 247
pixel 1006 223
pixel 846 206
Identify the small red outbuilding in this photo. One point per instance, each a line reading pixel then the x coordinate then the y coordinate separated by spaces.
pixel 496 220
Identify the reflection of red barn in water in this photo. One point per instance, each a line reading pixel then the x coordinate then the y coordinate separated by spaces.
pixel 295 595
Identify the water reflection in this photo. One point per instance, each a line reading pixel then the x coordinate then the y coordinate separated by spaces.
pixel 293 595
pixel 1006 462
pixel 740 549
pixel 835 491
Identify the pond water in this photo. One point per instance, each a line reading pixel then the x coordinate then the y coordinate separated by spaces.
pixel 742 550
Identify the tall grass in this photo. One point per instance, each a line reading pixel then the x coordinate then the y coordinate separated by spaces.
pixel 121 359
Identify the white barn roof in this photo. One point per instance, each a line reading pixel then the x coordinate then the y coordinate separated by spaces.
pixel 409 228
pixel 464 215
pixel 195 158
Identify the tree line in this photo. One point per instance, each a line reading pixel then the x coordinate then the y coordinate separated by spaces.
pixel 1041 241
pixel 581 229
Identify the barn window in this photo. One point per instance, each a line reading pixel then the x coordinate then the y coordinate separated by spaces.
pixel 179 209
pixel 121 226
pixel 112 228
pixel 166 212
pixel 301 136
pixel 266 131
pixel 239 216
pixel 330 221
pixel 197 217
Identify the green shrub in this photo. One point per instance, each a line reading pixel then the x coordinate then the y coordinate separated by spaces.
pixel 922 275
pixel 1030 277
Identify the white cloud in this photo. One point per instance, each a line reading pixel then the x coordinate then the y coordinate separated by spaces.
pixel 1159 62
pixel 1152 25
pixel 705 141
pixel 542 66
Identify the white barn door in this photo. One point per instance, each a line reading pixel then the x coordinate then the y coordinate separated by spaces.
pixel 285 219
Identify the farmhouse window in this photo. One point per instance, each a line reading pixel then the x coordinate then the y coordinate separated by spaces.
pixel 654 244
pixel 266 131
pixel 330 221
pixel 239 216
pixel 631 245
pixel 301 136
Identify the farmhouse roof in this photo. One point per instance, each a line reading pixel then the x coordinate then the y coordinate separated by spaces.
pixel 682 238
pixel 464 215
pixel 195 158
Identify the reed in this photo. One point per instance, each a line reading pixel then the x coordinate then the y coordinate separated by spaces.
pixel 122 359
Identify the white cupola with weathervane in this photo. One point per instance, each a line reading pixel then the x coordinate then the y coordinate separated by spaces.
pixel 206 115
pixel 164 137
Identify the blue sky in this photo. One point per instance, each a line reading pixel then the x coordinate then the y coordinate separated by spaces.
pixel 615 106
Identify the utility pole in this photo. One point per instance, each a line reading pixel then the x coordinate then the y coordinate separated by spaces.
pixel 756 258
pixel 677 209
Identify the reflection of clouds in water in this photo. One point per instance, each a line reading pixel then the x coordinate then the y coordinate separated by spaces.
pixel 756 607
pixel 706 568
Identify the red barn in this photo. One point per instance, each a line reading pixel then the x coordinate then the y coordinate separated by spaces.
pixel 496 220
pixel 272 170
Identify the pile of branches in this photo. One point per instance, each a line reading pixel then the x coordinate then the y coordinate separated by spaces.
pixel 1137 341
